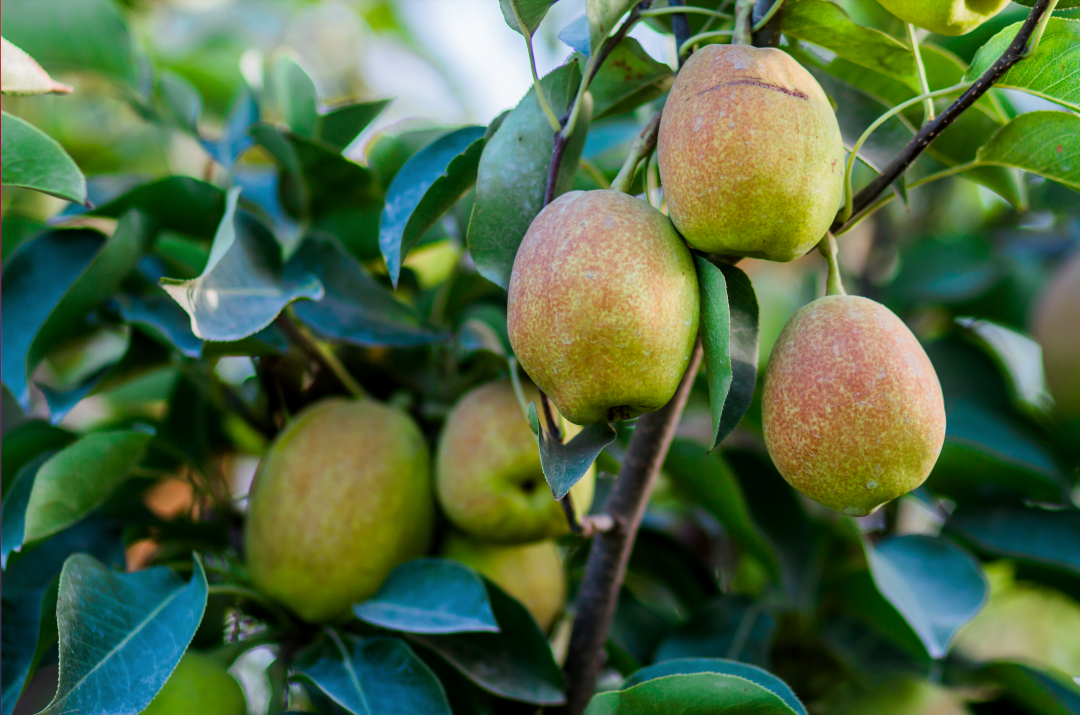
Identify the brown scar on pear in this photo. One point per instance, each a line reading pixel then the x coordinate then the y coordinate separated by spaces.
pixel 797 93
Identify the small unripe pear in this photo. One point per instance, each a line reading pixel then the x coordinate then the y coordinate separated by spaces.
pixel 200 685
pixel 531 573
pixel 852 409
pixel 750 154
pixel 603 306
pixel 1057 328
pixel 488 475
pixel 342 497
pixel 945 17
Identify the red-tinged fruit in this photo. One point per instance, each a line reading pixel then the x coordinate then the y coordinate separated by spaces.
pixel 603 306
pixel 1057 328
pixel 852 409
pixel 750 154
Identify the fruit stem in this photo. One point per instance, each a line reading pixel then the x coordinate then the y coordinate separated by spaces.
pixel 515 380
pixel 827 248
pixel 768 16
pixel 660 11
pixel 641 148
pixel 743 26
pixel 917 54
pixel 701 37
pixel 251 595
pixel 553 427
pixel 1036 37
pixel 320 352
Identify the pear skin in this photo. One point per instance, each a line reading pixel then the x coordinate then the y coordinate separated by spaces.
pixel 603 306
pixel 199 684
pixel 750 154
pixel 1057 328
pixel 852 409
pixel 945 17
pixel 488 476
pixel 342 497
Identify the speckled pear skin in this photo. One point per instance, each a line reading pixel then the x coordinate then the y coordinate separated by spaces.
pixel 945 17
pixel 199 684
pixel 852 409
pixel 750 154
pixel 342 497
pixel 488 476
pixel 1057 328
pixel 531 573
pixel 603 306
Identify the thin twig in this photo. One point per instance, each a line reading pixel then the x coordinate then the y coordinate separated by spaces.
pixel 933 129
pixel 319 353
pixel 680 26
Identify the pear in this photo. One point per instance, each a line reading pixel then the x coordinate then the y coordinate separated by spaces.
pixel 750 154
pixel 487 470
pixel 603 306
pixel 342 497
pixel 945 17
pixel 907 696
pixel 531 573
pixel 1057 329
pixel 199 684
pixel 852 409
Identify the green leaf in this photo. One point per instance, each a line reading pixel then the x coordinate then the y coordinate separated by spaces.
pixel 512 177
pixel 426 187
pixel 1018 357
pixel 565 464
pixel 1050 72
pixel 34 160
pixel 355 307
pixel 1062 4
pixel 1043 143
pixel 1037 691
pixel 182 101
pixel 121 635
pixel 430 596
pixel 1042 537
pixel 524 16
pixel 340 125
pixel 20 74
pixel 729 626
pixel 373 676
pixel 175 203
pixel 13 512
pixel 729 336
pixel 28 632
pixel 74 36
pixel 691 694
pixel 162 318
pixel 603 16
pixel 296 96
pixel 242 289
pixel 935 585
pixel 25 441
pixel 686 666
pixel 628 78
pixel 515 663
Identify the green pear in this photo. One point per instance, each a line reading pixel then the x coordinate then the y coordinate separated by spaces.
pixel 342 497
pixel 851 409
pixel 201 685
pixel 603 306
pixel 1057 328
pixel 750 154
pixel 907 696
pixel 488 475
pixel 945 17
pixel 531 573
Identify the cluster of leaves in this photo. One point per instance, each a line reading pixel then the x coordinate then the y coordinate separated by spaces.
pixel 142 292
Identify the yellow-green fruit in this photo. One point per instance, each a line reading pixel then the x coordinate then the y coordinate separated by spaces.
pixel 488 475
pixel 852 409
pixel 750 153
pixel 603 306
pixel 200 685
pixel 907 697
pixel 531 573
pixel 945 17
pixel 342 497
pixel 1057 328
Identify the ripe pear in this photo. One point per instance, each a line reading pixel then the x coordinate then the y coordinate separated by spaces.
pixel 603 306
pixel 1057 328
pixel 907 696
pixel 852 409
pixel 342 497
pixel 488 475
pixel 531 573
pixel 200 684
pixel 945 17
pixel 750 154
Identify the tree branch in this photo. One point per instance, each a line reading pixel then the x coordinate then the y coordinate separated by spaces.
pixel 321 354
pixel 769 35
pixel 932 129
pixel 610 551
pixel 680 26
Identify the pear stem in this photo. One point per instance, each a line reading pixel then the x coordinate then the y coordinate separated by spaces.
pixel 743 25
pixel 679 9
pixel 827 248
pixel 555 125
pixel 1036 38
pixel 640 149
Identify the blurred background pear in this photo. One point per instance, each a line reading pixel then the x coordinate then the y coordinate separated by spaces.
pixel 200 685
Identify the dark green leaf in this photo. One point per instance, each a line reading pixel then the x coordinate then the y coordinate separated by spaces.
pixel 515 663
pixel 565 464
pixel 524 16
pixel 121 635
pixel 685 666
pixel 373 676
pixel 234 138
pixel 1062 4
pixel 296 96
pixel 1044 143
pixel 603 15
pixel 340 125
pixel 425 188
pixel 1018 357
pixel 661 558
pixel 28 632
pixel 1039 536
pixel 175 203
pixel 242 289
pixel 691 694
pixel 628 78
pixel 25 441
pixel 512 177
pixel 1037 691
pixel 13 512
pixel 1050 72
pixel 935 585
pixel 732 627
pixel 430 596
pixel 355 307
pixel 34 160
pixel 182 101
pixel 164 319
